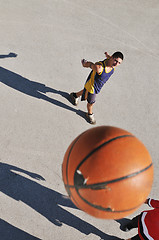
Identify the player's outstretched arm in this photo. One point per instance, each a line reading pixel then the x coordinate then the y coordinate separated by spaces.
pixel 107 55
pixel 97 67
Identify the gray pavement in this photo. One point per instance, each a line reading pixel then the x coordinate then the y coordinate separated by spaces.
pixel 47 40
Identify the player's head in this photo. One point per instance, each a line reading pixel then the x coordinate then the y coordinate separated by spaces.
pixel 117 58
pixel 118 55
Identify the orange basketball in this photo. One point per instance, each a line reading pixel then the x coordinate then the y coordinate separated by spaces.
pixel 107 172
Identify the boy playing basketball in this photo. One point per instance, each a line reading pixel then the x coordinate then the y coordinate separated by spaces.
pixel 101 72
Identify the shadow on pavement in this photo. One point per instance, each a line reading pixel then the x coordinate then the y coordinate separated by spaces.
pixel 10 55
pixel 35 89
pixel 45 201
pixel 123 222
pixel 9 232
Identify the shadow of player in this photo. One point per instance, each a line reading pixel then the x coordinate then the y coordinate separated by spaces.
pixel 123 222
pixel 10 55
pixel 35 89
pixel 10 232
pixel 45 201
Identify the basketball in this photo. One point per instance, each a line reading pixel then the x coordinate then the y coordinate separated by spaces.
pixel 107 172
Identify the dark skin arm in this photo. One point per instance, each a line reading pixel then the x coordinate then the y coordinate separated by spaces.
pixel 97 67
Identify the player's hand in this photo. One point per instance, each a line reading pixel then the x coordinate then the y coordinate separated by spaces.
pixel 107 55
pixel 84 61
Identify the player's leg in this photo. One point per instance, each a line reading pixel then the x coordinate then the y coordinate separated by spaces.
pixel 75 97
pixel 90 108
pixel 90 114
pixel 78 94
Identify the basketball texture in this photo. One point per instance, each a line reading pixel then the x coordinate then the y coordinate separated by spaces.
pixel 107 172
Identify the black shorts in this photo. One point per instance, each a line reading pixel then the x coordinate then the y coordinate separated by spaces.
pixel 91 98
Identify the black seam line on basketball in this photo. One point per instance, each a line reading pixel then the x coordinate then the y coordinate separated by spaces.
pixel 69 156
pixel 70 195
pixel 108 209
pixel 102 185
pixel 100 146
pixel 69 192
pixel 69 186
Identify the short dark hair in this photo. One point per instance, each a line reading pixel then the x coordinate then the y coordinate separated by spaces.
pixel 118 55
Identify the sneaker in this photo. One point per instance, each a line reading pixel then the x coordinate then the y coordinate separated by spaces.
pixel 91 118
pixel 74 100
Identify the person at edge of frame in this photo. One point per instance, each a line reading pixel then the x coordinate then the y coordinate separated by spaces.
pixel 147 222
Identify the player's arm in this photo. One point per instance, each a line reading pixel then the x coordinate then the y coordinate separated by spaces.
pixel 97 67
pixel 107 55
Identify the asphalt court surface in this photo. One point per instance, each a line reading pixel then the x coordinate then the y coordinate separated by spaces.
pixel 42 44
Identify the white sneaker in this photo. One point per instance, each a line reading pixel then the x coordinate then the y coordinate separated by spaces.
pixel 74 100
pixel 91 118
